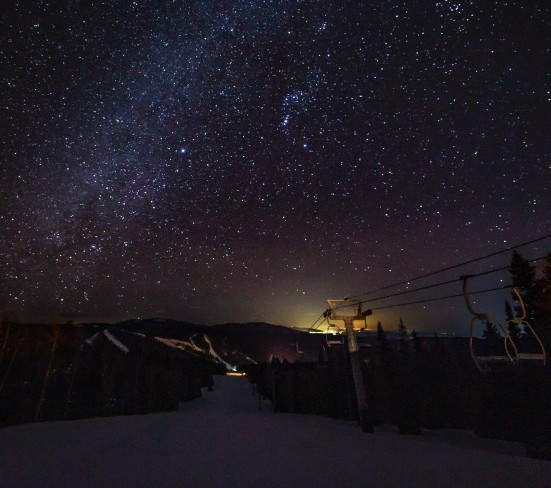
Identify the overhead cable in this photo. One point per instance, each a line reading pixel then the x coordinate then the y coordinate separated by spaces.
pixel 432 273
pixel 435 285
pixel 442 298
pixel 315 325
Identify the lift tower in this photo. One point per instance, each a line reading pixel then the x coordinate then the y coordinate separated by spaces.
pixel 350 313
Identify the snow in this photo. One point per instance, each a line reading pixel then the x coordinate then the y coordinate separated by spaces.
pixel 111 338
pixel 223 440
pixel 177 344
pixel 90 341
pixel 215 355
pixel 116 342
pixel 251 360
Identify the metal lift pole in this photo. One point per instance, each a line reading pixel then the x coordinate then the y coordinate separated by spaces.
pixel 359 383
pixel 365 418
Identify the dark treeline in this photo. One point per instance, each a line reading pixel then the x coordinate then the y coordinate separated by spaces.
pixel 415 384
pixel 68 372
pixel 418 383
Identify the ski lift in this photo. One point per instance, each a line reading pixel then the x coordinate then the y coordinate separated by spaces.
pixel 334 339
pixel 529 330
pixel 511 356
pixel 488 362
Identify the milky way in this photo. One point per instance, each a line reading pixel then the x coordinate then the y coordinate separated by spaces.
pixel 245 160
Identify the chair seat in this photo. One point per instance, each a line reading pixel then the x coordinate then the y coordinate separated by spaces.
pixel 493 359
pixel 538 357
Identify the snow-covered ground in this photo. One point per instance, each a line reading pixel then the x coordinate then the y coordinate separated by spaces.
pixel 223 440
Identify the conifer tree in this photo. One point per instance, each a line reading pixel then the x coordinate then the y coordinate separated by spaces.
pixel 508 311
pixel 402 329
pixel 381 336
pixel 514 329
pixel 490 332
pixel 523 276
pixel 491 337
pixel 542 303
pixel 415 339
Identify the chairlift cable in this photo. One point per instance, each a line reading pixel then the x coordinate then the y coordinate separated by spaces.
pixel 426 300
pixel 448 268
pixel 315 325
pixel 435 285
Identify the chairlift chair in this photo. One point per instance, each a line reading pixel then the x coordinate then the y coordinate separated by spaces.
pixel 511 356
pixel 334 339
pixel 345 311
pixel 486 362
pixel 541 355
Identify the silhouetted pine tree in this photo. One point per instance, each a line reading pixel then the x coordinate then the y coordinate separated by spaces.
pixel 490 332
pixel 415 339
pixel 381 336
pixel 542 304
pixel 523 275
pixel 514 329
pixel 402 329
pixel 509 315
pixel 491 337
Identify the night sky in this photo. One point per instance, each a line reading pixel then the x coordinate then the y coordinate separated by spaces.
pixel 246 160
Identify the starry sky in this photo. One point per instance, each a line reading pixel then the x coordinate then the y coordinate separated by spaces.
pixel 246 160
